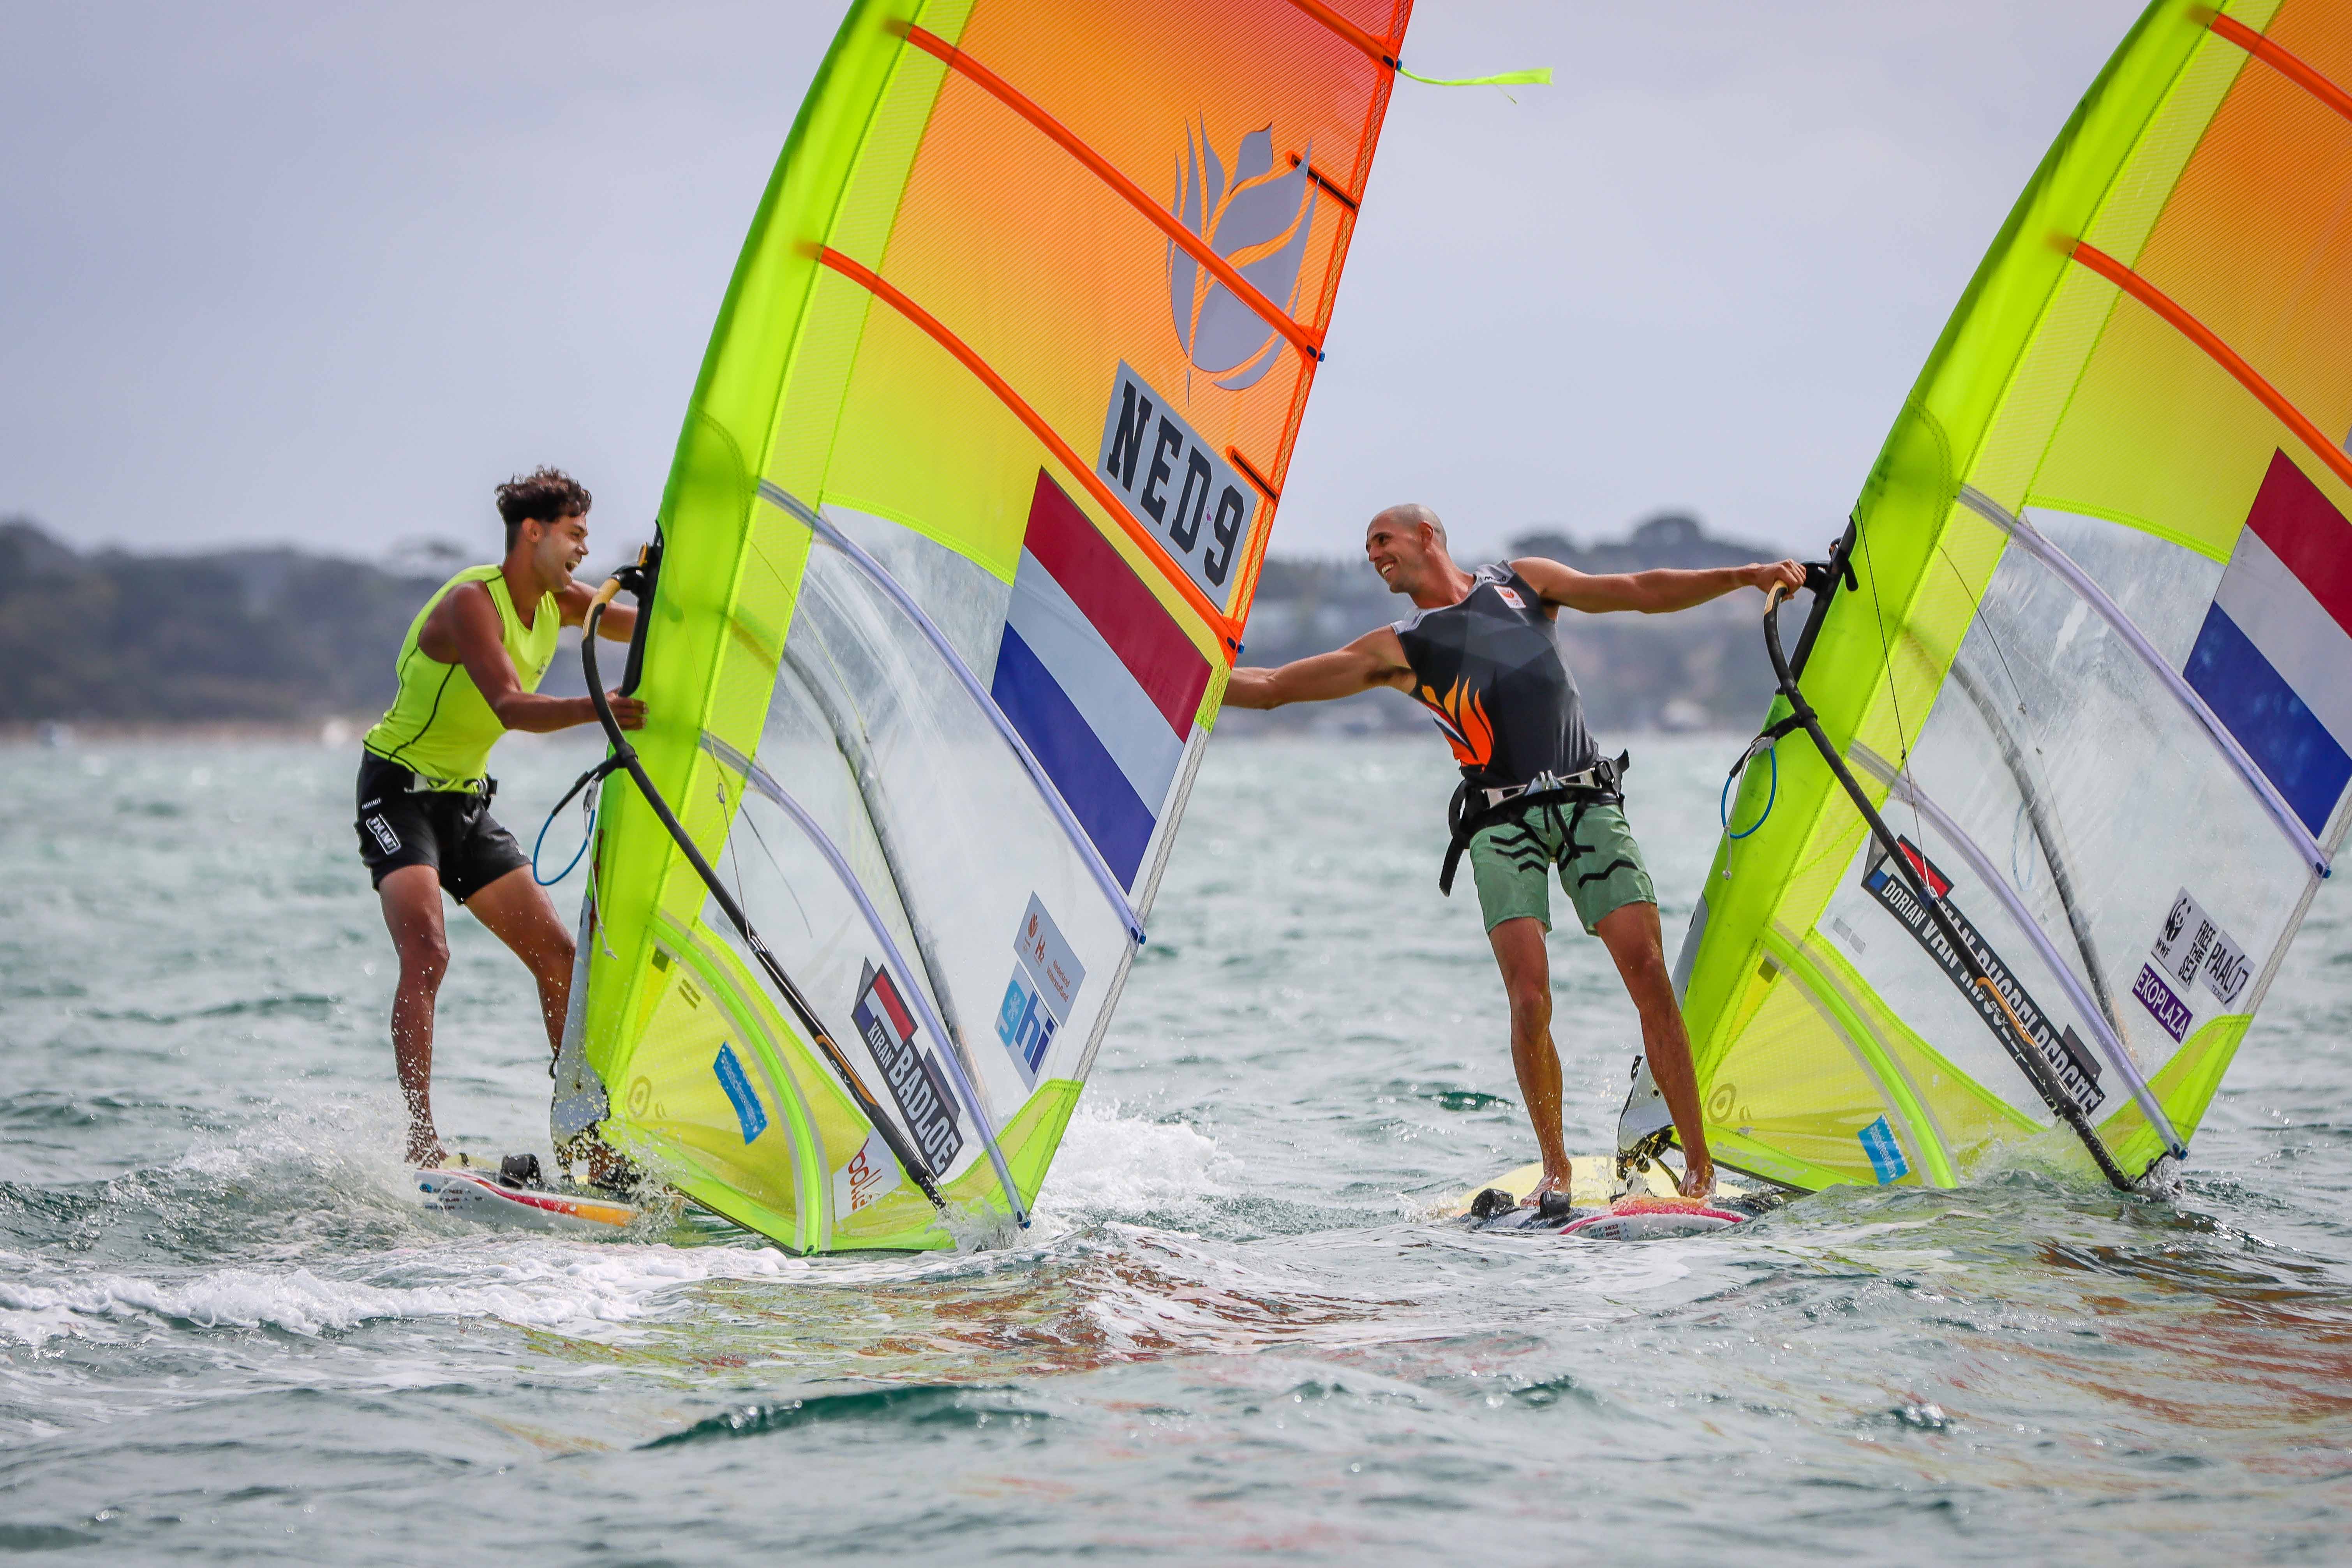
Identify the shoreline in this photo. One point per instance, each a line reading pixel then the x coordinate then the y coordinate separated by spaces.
pixel 63 732
pixel 337 733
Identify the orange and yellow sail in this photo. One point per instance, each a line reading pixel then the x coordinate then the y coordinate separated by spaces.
pixel 2095 668
pixel 959 543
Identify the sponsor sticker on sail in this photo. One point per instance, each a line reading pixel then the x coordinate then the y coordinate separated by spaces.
pixel 911 1073
pixel 1046 975
pixel 2155 996
pixel 748 1112
pixel 870 1174
pixel 2076 1068
pixel 2193 947
pixel 1886 1158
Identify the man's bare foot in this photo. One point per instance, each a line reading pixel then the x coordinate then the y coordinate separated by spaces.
pixel 1553 1182
pixel 424 1151
pixel 608 1167
pixel 1699 1179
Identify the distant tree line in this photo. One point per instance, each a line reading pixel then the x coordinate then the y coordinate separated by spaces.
pixel 261 634
pixel 282 636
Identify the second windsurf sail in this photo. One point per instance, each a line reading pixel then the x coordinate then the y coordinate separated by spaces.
pixel 2089 656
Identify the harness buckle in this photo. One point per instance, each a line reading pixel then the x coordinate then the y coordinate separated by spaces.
pixel 482 788
pixel 1601 778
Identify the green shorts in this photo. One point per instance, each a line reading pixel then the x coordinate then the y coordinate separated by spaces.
pixel 1600 865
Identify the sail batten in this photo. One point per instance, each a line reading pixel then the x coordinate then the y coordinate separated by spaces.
pixel 1307 340
pixel 1377 48
pixel 2283 61
pixel 1022 409
pixel 2170 312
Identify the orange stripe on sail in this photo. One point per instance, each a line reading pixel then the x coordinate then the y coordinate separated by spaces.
pixel 2222 353
pixel 866 278
pixel 1381 50
pixel 2279 60
pixel 1309 340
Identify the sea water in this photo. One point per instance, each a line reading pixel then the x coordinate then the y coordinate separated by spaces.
pixel 1238 1330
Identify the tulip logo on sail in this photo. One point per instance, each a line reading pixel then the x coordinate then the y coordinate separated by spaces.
pixel 1255 219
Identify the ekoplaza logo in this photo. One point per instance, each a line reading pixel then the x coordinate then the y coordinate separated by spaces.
pixel 1255 219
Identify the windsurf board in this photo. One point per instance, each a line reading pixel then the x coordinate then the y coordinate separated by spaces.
pixel 1650 1210
pixel 466 1187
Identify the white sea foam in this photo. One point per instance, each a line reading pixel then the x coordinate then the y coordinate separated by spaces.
pixel 540 1285
pixel 1125 1164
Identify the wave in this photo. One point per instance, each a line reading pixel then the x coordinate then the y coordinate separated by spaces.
pixel 914 1404
pixel 537 1283
pixel 297 1002
pixel 1115 1164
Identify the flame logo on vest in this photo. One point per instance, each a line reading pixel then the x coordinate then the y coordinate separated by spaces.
pixel 1258 221
pixel 1462 719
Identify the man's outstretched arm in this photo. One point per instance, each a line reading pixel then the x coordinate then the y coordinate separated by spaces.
pixel 1376 658
pixel 1652 592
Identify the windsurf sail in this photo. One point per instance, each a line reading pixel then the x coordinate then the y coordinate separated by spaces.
pixel 955 558
pixel 2085 649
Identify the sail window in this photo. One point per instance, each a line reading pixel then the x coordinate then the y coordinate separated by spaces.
pixel 874 570
pixel 2042 548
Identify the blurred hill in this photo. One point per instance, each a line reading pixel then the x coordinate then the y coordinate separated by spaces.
pixel 266 634
pixel 280 635
pixel 272 636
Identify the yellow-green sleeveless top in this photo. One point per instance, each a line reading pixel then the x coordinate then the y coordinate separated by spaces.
pixel 438 726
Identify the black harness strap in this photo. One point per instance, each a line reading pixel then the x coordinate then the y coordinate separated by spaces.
pixel 1465 823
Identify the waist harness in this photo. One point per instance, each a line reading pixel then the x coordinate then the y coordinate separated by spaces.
pixel 1474 809
pixel 480 791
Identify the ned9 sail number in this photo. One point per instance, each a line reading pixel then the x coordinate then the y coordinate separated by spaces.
pixel 1171 477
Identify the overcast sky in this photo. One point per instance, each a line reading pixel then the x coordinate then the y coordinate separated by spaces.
pixel 299 272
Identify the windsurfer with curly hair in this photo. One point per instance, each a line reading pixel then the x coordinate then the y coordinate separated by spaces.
pixel 1481 651
pixel 469 671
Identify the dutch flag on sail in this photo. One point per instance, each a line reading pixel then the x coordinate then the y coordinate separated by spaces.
pixel 1097 678
pixel 2275 658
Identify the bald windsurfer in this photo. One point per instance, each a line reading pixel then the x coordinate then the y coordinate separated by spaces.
pixel 469 671
pixel 1481 650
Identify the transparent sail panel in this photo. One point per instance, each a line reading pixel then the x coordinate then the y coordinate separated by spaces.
pixel 986 894
pixel 2058 761
pixel 2163 586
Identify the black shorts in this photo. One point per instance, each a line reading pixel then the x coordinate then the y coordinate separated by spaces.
pixel 450 830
